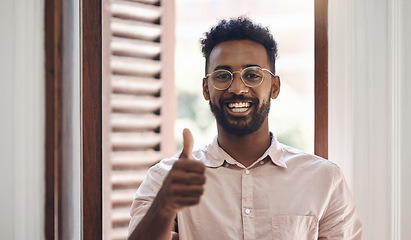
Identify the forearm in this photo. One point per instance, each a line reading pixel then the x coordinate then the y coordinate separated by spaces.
pixel 156 224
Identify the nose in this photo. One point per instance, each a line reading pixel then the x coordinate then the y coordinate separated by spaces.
pixel 237 86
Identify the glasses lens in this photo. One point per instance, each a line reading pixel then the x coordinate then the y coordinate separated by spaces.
pixel 221 79
pixel 252 76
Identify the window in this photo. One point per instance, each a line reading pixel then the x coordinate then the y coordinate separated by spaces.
pixel 292 24
pixel 123 85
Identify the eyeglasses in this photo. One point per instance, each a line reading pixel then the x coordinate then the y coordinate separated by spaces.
pixel 251 76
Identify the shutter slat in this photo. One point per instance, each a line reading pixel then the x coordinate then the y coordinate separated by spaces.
pixel 120 219
pixel 130 140
pixel 121 216
pixel 123 197
pixel 141 158
pixel 135 104
pixel 135 85
pixel 129 179
pixel 135 48
pixel 119 233
pixel 135 122
pixel 135 66
pixel 135 30
pixel 152 2
pixel 135 11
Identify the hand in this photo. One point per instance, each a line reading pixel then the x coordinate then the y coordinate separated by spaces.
pixel 183 185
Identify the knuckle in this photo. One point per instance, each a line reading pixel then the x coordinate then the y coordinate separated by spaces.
pixel 172 190
pixel 177 164
pixel 203 179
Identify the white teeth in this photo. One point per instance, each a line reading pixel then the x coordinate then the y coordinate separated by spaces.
pixel 239 110
pixel 239 105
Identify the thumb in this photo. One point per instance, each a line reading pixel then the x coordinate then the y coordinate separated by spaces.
pixel 188 143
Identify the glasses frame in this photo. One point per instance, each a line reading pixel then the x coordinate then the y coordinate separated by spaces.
pixel 241 77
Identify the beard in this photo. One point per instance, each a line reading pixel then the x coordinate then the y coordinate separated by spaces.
pixel 244 125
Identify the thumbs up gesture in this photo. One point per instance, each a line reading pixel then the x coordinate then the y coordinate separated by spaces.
pixel 188 143
pixel 183 185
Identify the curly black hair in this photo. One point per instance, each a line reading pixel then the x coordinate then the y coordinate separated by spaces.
pixel 240 28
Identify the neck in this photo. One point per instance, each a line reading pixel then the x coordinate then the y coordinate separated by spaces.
pixel 245 149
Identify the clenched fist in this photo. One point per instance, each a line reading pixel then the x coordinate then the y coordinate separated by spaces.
pixel 183 185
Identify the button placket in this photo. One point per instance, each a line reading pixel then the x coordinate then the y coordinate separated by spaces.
pixel 247 205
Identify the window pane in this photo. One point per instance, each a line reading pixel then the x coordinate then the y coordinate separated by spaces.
pixel 292 24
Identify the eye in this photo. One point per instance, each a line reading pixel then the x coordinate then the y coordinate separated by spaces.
pixel 252 75
pixel 223 76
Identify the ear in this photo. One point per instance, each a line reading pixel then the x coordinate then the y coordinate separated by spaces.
pixel 276 83
pixel 206 92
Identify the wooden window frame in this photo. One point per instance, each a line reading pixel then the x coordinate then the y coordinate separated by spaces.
pixel 91 135
pixel 321 78
pixel 91 105
pixel 91 71
pixel 53 128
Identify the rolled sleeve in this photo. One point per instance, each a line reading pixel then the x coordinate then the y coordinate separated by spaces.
pixel 147 191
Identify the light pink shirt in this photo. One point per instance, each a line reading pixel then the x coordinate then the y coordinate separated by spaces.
pixel 290 195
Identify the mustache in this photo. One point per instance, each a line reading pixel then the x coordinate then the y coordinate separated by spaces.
pixel 239 98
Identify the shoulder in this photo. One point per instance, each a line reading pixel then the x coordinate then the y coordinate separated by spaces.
pixel 159 170
pixel 310 163
pixel 166 164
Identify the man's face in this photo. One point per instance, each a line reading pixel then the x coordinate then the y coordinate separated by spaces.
pixel 240 110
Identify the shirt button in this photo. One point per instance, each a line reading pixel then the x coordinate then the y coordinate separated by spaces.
pixel 247 171
pixel 247 211
pixel 262 162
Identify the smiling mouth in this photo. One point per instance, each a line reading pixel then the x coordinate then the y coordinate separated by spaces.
pixel 239 107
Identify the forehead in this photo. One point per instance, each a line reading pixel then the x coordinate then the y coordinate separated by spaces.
pixel 237 54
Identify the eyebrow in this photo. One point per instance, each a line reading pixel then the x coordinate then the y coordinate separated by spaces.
pixel 226 67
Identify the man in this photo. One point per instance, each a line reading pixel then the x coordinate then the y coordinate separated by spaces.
pixel 245 184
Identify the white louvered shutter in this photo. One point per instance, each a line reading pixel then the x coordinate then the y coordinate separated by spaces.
pixel 141 100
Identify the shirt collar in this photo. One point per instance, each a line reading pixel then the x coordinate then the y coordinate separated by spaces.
pixel 215 156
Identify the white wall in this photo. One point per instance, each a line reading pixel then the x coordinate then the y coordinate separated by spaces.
pixel 369 62
pixel 22 119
